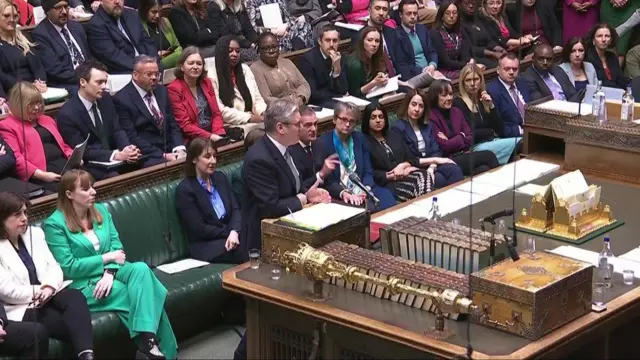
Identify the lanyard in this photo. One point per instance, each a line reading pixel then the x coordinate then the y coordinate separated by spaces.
pixel 455 42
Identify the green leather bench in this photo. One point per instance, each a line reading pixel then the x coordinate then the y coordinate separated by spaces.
pixel 150 231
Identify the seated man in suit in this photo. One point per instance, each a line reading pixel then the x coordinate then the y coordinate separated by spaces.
pixel 272 184
pixel 91 112
pixel 378 14
pixel 116 36
pixel 7 160
pixel 413 54
pixel 324 68
pixel 311 168
pixel 545 78
pixel 509 94
pixel 61 45
pixel 145 114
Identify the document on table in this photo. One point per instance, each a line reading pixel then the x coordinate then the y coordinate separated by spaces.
pixel 354 27
pixel 565 106
pixel 400 214
pixel 320 216
pixel 449 202
pixel 116 82
pixel 325 113
pixel 271 15
pixel 181 265
pixel 352 99
pixel 107 164
pixel 392 85
pixel 532 189
pixel 633 255
pixel 619 263
pixel 481 188
pixel 53 93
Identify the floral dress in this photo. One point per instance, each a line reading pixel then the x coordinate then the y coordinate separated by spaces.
pixel 296 29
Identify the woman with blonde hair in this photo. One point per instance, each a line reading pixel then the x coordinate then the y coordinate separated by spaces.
pixel 17 60
pixel 39 149
pixel 494 20
pixel 482 116
pixel 84 240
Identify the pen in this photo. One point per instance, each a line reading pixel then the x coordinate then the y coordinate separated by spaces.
pixel 290 213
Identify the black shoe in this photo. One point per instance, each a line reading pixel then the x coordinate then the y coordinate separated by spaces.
pixel 87 356
pixel 149 349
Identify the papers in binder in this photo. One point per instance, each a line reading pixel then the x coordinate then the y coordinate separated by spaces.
pixel 320 216
pixel 76 157
pixel 271 15
pixel 325 113
pixel 181 265
pixel 117 81
pixel 354 27
pixel 532 189
pixel 107 163
pixel 82 15
pixel 38 14
pixel 392 85
pixel 352 99
pixel 53 94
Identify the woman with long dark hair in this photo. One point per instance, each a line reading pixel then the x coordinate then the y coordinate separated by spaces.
pixel 233 16
pixel 453 48
pixel 580 72
pixel 366 66
pixel 452 132
pixel 394 166
pixel 601 43
pixel 161 32
pixel 484 49
pixel 238 94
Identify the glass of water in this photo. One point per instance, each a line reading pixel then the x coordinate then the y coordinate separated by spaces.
pixel 531 244
pixel 275 273
pixel 599 292
pixel 628 277
pixel 254 258
pixel 456 221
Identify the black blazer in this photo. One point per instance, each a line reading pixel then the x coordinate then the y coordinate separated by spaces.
pixel 54 53
pixel 187 32
pixel 306 165
pixel 538 89
pixel 485 126
pixel 7 161
pixel 546 13
pixel 493 30
pixel 206 232
pixel 480 40
pixel 316 70
pixel 8 62
pixel 380 161
pixel 109 45
pixel 619 79
pixel 136 120
pixel 247 33
pixel 74 124
pixel 635 88
pixel 269 190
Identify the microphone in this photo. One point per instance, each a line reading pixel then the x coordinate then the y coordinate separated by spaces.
pixel 581 94
pixel 356 180
pixel 493 217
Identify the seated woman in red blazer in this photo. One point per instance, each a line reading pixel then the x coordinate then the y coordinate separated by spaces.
pixel 193 100
pixel 40 151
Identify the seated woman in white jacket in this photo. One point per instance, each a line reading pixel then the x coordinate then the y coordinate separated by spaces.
pixel 235 86
pixel 31 286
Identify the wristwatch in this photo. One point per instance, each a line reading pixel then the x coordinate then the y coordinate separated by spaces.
pixel 111 271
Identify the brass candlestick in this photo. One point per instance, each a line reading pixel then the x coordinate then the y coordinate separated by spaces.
pixel 318 265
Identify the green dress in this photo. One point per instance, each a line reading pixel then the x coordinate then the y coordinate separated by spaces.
pixel 137 296
pixel 616 16
pixel 171 60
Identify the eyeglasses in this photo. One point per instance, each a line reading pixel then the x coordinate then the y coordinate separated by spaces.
pixel 268 49
pixel 347 120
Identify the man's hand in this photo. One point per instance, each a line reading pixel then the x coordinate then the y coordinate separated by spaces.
pixel 3 333
pixel 215 137
pixel 95 5
pixel 2 150
pixel 130 154
pixel 40 85
pixel 170 156
pixel 430 69
pixel 103 287
pixel 232 241
pixel 557 48
pixel 316 195
pixel 352 199
pixel 335 61
pixel 330 164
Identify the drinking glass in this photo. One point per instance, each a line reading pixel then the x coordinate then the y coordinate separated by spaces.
pixel 254 258
pixel 599 292
pixel 275 273
pixel 628 277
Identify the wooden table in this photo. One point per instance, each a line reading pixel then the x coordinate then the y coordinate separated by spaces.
pixel 281 323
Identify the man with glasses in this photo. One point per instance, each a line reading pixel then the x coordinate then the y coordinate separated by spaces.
pixel 145 114
pixel 61 45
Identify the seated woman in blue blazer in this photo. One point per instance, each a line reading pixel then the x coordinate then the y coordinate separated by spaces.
pixel 207 207
pixel 417 132
pixel 351 147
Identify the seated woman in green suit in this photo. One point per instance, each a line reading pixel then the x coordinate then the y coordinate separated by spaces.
pixel 367 64
pixel 83 239
pixel 161 32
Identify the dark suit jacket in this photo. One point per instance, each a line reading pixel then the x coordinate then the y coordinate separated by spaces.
pixel 7 161
pixel 493 30
pixel 187 30
pixel 635 88
pixel 506 107
pixel 619 79
pixel 404 56
pixel 74 124
pixel 316 70
pixel 226 17
pixel 546 13
pixel 405 130
pixel 306 165
pixel 109 45
pixel 361 155
pixel 54 53
pixel 8 67
pixel 140 126
pixel 269 190
pixel 538 89
pixel 206 232
pixel 380 161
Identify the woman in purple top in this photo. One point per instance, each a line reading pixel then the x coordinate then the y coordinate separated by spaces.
pixel 578 16
pixel 452 132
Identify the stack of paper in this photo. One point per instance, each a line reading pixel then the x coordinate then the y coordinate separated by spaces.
pixel 352 99
pixel 619 263
pixel 354 27
pixel 565 106
pixel 325 113
pixel 481 188
pixel 53 94
pixel 633 255
pixel 181 265
pixel 320 216
pixel 392 85
pixel 116 82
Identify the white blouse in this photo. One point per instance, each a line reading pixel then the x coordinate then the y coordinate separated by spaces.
pixel 421 145
pixel 91 235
